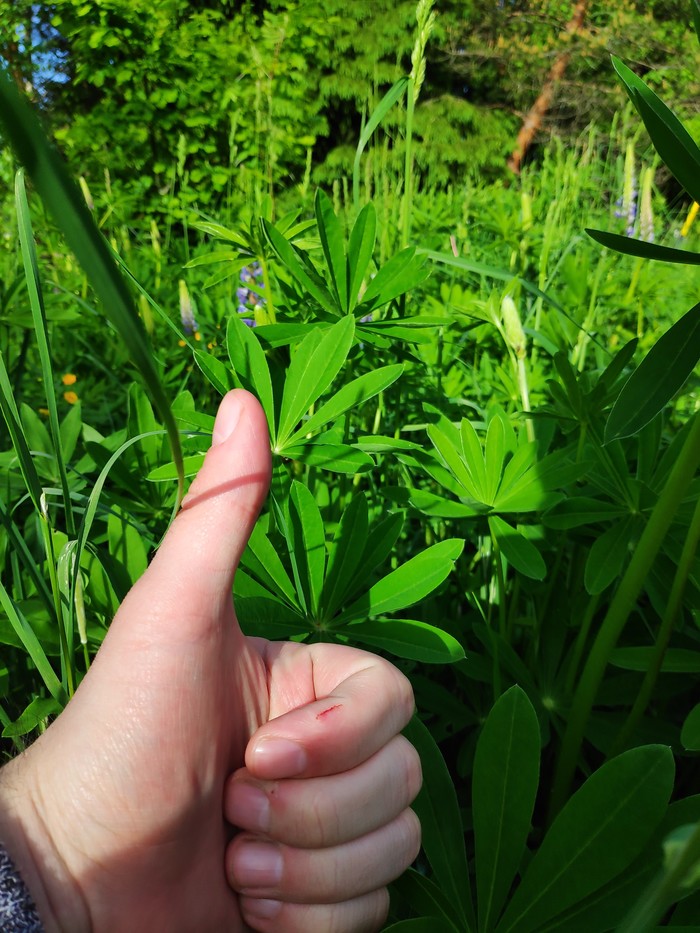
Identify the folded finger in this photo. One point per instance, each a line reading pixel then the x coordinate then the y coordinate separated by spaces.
pixel 364 914
pixel 261 868
pixel 314 813
pixel 356 702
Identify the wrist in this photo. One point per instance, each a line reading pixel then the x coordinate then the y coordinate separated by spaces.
pixel 28 841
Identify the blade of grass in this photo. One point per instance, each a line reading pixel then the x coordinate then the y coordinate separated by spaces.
pixel 33 647
pixel 383 107
pixel 36 302
pixel 65 202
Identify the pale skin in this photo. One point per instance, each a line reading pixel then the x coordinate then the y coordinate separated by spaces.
pixel 121 815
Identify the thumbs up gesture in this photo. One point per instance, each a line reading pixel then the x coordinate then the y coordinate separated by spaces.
pixel 201 780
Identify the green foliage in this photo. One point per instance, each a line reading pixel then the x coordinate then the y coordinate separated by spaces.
pixel 471 474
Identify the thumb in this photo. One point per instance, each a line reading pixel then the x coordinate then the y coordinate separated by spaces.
pixel 192 573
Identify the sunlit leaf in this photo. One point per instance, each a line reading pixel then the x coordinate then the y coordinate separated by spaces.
pixel 662 373
pixel 504 787
pixel 407 638
pixel 596 835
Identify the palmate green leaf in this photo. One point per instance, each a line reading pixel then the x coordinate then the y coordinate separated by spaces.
pixel 70 430
pixel 385 534
pixel 518 551
pixel 671 140
pixel 194 419
pixel 419 925
pixel 534 489
pixel 425 898
pixel 232 256
pixel 690 733
pixel 396 277
pixel 675 660
pixel 598 833
pixel 218 374
pixel 494 456
pixel 262 560
pixel 140 420
pixel 379 444
pixel 336 458
pixel 269 618
pixel 283 335
pixel 602 910
pixel 407 638
pixel 454 461
pixel 38 438
pixel 288 255
pixel 219 232
pixel 345 555
pixel 607 556
pixel 167 472
pixel 250 365
pixel 581 510
pixel 307 544
pixel 431 504
pixel 360 249
pixel 126 545
pixel 474 459
pixel 330 232
pixel 409 583
pixel 661 374
pixel 351 395
pixel 66 203
pixel 633 247
pixel 437 808
pixel 504 787
pixel 315 364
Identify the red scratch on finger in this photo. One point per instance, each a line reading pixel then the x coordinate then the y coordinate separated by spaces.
pixel 330 709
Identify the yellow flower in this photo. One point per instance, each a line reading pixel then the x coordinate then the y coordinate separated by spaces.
pixel 69 379
pixel 182 343
pixel 71 397
pixel 44 412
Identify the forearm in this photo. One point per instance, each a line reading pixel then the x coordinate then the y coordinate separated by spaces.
pixel 44 902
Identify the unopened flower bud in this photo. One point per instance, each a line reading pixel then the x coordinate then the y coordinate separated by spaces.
pixel 512 325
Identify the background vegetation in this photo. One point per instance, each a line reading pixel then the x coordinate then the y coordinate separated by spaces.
pixel 502 499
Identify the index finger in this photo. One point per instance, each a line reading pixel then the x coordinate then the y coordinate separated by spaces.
pixel 331 708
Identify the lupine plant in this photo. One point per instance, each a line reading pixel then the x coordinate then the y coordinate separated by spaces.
pixel 528 555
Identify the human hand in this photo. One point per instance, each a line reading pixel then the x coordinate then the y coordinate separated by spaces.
pixel 119 816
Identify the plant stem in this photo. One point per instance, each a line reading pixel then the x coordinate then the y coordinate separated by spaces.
pixel 667 889
pixel 671 614
pixel 408 166
pixel 66 659
pixel 620 608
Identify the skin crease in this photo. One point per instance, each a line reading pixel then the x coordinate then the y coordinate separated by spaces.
pixel 116 815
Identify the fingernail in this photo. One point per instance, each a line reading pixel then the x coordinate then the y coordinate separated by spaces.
pixel 249 808
pixel 260 908
pixel 226 420
pixel 257 865
pixel 278 758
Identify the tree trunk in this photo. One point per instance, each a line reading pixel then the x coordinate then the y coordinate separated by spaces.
pixel 535 115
